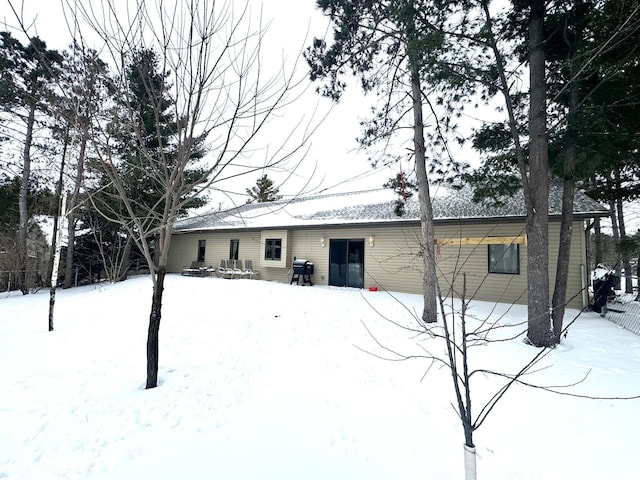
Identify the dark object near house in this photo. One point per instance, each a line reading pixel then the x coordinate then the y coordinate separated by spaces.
pixel 616 281
pixel 602 291
pixel 196 269
pixel 301 268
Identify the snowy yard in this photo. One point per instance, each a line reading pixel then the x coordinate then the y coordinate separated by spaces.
pixel 262 380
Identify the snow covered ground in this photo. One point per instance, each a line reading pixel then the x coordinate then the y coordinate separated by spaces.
pixel 261 380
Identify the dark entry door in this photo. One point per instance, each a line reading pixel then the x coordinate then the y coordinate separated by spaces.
pixel 346 263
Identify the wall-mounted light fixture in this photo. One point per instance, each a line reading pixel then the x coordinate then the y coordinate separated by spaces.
pixel 371 240
pixel 323 241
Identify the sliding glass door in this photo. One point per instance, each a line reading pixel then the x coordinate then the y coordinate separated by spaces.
pixel 346 263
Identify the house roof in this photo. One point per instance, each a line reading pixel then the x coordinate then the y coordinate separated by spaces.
pixel 377 207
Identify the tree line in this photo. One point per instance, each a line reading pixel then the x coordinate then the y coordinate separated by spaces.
pixel 54 105
pixel 51 101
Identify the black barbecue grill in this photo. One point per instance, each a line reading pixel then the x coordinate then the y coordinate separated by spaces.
pixel 301 268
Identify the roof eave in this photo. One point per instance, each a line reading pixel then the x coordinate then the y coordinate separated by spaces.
pixel 391 222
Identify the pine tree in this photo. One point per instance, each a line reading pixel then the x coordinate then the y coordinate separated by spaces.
pixel 388 46
pixel 264 191
pixel 145 131
pixel 28 73
pixel 590 63
pixel 152 140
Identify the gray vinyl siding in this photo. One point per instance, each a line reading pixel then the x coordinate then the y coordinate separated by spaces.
pixel 393 262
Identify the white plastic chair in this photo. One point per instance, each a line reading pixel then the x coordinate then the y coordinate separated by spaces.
pixel 248 269
pixel 224 270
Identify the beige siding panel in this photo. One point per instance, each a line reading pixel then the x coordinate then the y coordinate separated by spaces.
pixel 455 260
pixel 184 248
pixel 509 288
pixel 576 281
pixel 182 251
pixel 306 244
pixel 393 263
pixel 280 271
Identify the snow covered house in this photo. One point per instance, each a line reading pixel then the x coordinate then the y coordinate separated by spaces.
pixel 356 240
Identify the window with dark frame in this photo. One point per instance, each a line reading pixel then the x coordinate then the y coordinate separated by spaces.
pixel 202 246
pixel 504 258
pixel 273 249
pixel 234 248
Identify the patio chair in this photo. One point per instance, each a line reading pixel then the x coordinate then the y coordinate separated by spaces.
pixel 236 268
pixel 248 269
pixel 195 269
pixel 224 270
pixel 211 271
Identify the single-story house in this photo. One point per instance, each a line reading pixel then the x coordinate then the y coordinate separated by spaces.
pixel 356 240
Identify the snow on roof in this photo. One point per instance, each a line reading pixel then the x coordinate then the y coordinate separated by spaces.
pixel 375 206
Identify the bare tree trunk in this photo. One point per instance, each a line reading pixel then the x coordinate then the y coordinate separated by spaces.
pixel 54 257
pixel 71 217
pixel 534 173
pixel 154 329
pixel 458 357
pixel 539 328
pixel 23 202
pixel 638 277
pixel 68 265
pixel 124 261
pixel 429 279
pixel 57 246
pixel 616 235
pixel 56 214
pixel 559 300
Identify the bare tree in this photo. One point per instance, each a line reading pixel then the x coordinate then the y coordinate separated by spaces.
pixel 450 343
pixel 214 88
pixel 83 81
